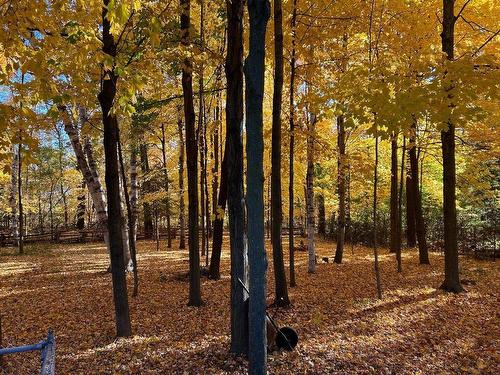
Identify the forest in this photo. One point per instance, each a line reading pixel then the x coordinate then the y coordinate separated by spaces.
pixel 249 187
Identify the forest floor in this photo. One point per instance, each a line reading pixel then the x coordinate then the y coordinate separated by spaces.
pixel 343 328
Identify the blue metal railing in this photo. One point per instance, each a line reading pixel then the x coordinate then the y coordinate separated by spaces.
pixel 48 353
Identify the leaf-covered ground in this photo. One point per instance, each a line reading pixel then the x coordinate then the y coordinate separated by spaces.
pixel 343 328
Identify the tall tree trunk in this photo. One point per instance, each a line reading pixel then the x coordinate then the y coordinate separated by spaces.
pixel 131 220
pixel 166 183
pixel 20 198
pixel 259 11
pixel 134 195
pixel 341 189
pixel 134 191
pixel 375 215
pixel 311 123
pixel 200 133
pixel 106 98
pixel 89 170
pixel 219 195
pixel 291 197
pixel 400 206
pixel 40 213
pixel 182 214
pixel 394 217
pixel 208 226
pixel 81 208
pixel 280 286
pixel 214 270
pixel 215 156
pixel 321 215
pixel 191 159
pixel 14 224
pixel 411 229
pixel 124 216
pixel 419 215
pixel 61 176
pixel 451 271
pixel 51 210
pixel 348 208
pixel 235 198
pixel 146 187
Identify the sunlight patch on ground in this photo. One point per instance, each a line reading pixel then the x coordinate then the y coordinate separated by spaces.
pixel 16 268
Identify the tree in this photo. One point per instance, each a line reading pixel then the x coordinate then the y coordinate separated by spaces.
pixel 130 213
pixel 14 222
pixel 87 167
pixel 182 215
pixel 233 157
pixel 411 229
pixel 394 215
pixel 342 163
pixel 291 195
pixel 259 12
pixel 311 123
pixel 375 244
pixel 214 270
pixel 106 98
pixel 451 272
pixel 191 159
pixel 146 188
pixel 419 215
pixel 20 196
pixel 321 215
pixel 281 292
pixel 400 206
pixel 166 183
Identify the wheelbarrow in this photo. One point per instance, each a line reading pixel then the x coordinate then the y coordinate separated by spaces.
pixel 285 337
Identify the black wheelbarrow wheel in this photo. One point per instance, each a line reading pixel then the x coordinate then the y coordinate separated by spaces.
pixel 287 338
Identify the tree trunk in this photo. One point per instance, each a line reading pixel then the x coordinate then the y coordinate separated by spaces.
pixel 348 208
pixel 310 194
pixel 51 211
pixel 14 224
pixel 61 176
pixel 182 214
pixel 235 198
pixel 146 188
pixel 200 131
pixel 423 253
pixel 400 206
pixel 451 271
pixel 375 249
pixel 191 159
pixel 106 98
pixel 259 11
pixel 81 208
pixel 131 220
pixel 215 156
pixel 214 270
pixel 134 195
pixel 134 191
pixel 280 286
pixel 123 212
pixel 341 189
pixel 20 198
pixel 88 168
pixel 321 215
pixel 394 217
pixel 166 183
pixel 291 197
pixel 411 231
